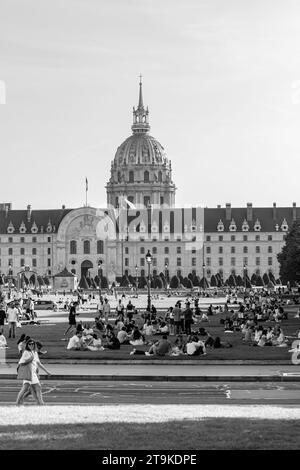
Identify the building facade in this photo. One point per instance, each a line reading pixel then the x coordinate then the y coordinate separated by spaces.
pixel 141 215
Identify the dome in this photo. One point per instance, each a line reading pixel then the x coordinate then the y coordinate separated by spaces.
pixel 140 149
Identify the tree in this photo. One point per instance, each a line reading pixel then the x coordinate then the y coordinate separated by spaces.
pixel 289 257
pixel 175 282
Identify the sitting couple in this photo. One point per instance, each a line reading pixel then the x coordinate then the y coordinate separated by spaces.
pixel 161 347
pixel 79 343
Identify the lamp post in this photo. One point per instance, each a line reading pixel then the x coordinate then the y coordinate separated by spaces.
pixel 136 281
pixel 149 261
pixel 203 270
pixel 245 270
pixel 166 275
pixel 99 276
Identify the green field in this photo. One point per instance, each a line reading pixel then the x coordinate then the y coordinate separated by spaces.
pixel 209 433
pixel 50 336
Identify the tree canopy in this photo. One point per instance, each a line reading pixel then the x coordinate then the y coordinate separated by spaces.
pixel 289 257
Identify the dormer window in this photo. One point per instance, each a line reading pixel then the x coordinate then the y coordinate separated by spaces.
pixel 245 226
pixel 34 228
pixel 220 226
pixel 284 226
pixel 10 228
pixel 22 228
pixel 232 226
pixel 257 226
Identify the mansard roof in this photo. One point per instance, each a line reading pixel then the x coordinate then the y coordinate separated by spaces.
pixel 40 217
pixel 268 217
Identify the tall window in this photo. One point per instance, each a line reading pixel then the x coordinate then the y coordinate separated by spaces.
pixel 131 176
pixel 220 238
pixel 233 249
pixel 220 261
pixel 194 260
pixel 73 247
pixel 22 240
pixel 257 249
pixel 245 249
pixel 270 261
pixel 270 249
pixel 22 251
pixel 232 262
pixel 100 247
pixel 86 247
pixel 142 250
pixel 10 251
pixel 179 249
pixel 154 250
pixel 146 176
pixel 178 261
pixel 220 249
pixel 160 176
pixel 232 238
pixel 34 251
pixel 208 250
pixel 34 262
pixel 142 262
pixel 166 250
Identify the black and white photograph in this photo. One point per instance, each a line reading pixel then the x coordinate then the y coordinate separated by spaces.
pixel 149 229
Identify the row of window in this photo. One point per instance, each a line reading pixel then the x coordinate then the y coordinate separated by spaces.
pixel 86 247
pixel 233 249
pixel 146 176
pixel 33 262
pixel 245 261
pixel 23 240
pixel 154 250
pixel 233 238
pixel 22 251
pixel 166 262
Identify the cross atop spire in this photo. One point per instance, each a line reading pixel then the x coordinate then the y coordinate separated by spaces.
pixel 140 114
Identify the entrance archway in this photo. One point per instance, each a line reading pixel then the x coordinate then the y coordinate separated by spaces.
pixel 85 266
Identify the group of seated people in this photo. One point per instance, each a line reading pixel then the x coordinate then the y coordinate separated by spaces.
pixel 264 336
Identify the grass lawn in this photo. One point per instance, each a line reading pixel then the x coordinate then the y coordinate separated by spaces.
pixel 50 336
pixel 209 434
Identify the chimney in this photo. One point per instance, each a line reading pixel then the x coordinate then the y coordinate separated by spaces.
pixel 228 211
pixel 63 206
pixel 218 206
pixel 6 210
pixel 28 213
pixel 294 211
pixel 274 211
pixel 249 212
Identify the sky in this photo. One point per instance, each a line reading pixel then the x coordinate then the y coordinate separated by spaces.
pixel 221 79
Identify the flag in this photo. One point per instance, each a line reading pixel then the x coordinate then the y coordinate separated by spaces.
pixel 86 184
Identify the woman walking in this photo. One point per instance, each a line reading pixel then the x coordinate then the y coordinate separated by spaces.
pixel 28 371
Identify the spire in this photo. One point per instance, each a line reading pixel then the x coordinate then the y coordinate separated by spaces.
pixel 141 104
pixel 140 115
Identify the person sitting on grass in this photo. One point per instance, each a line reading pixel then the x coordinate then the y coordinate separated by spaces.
pixel 148 328
pixel 87 331
pixel 162 329
pixel 160 348
pixel 218 344
pixel 98 325
pixel 123 336
pixel 112 341
pixel 94 344
pixel 76 343
pixel 179 346
pixel 137 338
pixel 3 342
pixel 195 347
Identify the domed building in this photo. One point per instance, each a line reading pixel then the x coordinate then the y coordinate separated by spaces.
pixel 140 171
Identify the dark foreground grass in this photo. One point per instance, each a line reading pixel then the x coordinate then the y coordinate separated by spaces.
pixel 50 336
pixel 208 434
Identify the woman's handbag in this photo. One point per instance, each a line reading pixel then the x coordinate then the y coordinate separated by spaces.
pixel 24 372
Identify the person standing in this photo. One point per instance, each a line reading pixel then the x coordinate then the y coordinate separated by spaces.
pixel 28 371
pixel 12 318
pixel 72 318
pixel 2 315
pixel 106 310
pixel 188 318
pixel 177 317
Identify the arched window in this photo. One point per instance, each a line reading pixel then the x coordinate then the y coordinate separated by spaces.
pixel 160 176
pixel 131 176
pixel 146 176
pixel 73 247
pixel 100 247
pixel 86 247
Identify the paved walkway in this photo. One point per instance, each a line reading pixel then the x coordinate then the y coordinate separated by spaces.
pixel 197 372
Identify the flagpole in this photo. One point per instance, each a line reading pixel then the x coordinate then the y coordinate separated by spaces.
pixel 86 190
